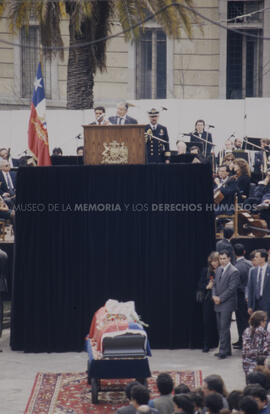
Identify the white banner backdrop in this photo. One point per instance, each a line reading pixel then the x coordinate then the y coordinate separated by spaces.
pixel 238 117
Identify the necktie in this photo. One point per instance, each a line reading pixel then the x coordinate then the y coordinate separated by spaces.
pixel 258 285
pixel 122 121
pixel 9 182
pixel 221 273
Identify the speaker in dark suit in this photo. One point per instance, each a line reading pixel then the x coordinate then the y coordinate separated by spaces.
pixel 121 117
pixel 224 294
pixel 154 147
pixel 259 284
pixel 125 120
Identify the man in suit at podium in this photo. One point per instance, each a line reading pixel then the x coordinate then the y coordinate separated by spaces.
pixel 154 147
pixel 122 118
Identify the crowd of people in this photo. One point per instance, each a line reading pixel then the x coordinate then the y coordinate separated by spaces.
pixel 231 283
pixel 211 398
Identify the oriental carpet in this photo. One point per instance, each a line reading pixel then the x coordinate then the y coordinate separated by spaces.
pixel 70 393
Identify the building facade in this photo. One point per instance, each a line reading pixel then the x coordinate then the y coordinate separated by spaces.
pixel 215 63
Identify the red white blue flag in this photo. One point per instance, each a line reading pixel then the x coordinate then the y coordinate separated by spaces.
pixel 37 127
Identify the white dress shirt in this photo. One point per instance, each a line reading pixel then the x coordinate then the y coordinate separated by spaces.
pixel 6 174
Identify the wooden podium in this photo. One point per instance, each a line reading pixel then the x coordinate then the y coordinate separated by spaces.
pixel 114 144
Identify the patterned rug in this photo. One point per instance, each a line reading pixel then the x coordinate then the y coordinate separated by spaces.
pixel 70 393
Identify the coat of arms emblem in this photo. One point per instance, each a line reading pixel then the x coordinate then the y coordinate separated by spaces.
pixel 115 153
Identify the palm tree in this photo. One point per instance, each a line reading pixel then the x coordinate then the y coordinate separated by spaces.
pixel 90 20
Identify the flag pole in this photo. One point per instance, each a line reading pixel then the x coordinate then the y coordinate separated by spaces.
pixel 41 60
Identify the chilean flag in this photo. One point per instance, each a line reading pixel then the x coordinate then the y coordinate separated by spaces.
pixel 37 127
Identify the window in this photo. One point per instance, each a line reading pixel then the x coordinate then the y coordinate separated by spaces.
pixel 244 53
pixel 151 73
pixel 246 9
pixel 29 62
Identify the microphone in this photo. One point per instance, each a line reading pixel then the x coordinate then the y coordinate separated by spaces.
pixel 187 135
pixel 164 108
pixel 79 136
pixel 211 126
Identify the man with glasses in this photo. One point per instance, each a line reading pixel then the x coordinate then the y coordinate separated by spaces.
pixel 154 147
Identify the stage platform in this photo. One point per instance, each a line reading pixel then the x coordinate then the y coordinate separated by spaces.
pixel 85 234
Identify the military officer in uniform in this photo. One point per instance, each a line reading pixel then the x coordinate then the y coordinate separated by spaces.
pixel 154 147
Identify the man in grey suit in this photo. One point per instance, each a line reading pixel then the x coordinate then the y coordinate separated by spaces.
pixel 243 265
pixel 224 295
pixel 122 117
pixel 259 284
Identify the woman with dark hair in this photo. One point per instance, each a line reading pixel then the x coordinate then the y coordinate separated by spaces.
pixel 204 296
pixel 242 172
pixel 256 341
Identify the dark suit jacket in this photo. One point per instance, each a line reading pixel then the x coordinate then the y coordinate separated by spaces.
pixel 258 162
pixel 243 265
pixel 225 286
pixel 128 120
pixel 205 135
pixel 3 184
pixel 154 148
pixel 243 185
pixel 129 409
pixel 265 301
pixel 229 189
pixel 262 192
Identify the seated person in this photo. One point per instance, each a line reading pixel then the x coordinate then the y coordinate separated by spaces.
pixel 229 160
pixel 183 404
pixel 57 151
pixel 199 157
pixel 221 176
pixel 181 147
pixel 79 151
pixel 7 183
pixel 129 409
pixel 228 190
pixel 164 403
pixel 261 159
pixel 262 192
pixel 122 118
pixel 181 389
pixel 5 212
pixel 213 403
pixel 242 172
pixel 237 145
pixel 140 396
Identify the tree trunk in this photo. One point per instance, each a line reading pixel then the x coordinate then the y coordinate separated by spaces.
pixel 80 79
